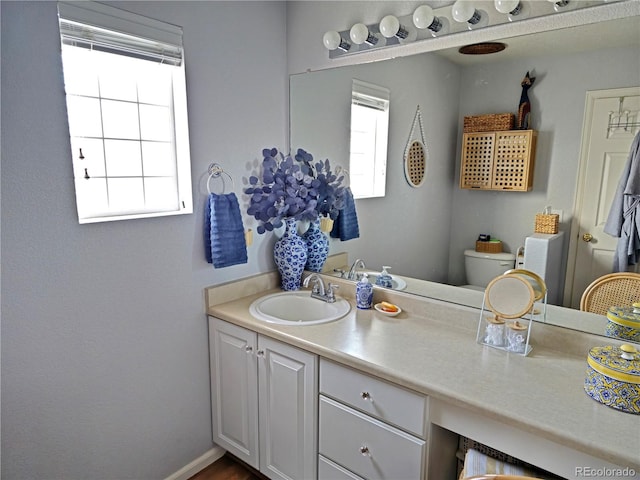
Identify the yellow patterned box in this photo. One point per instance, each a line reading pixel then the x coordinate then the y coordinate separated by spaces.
pixel 624 323
pixel 613 377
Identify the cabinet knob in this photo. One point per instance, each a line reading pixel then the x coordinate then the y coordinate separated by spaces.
pixel 365 395
pixel 364 450
pixel 260 353
pixel 248 349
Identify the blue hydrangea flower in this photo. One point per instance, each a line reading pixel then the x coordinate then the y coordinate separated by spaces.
pixel 293 187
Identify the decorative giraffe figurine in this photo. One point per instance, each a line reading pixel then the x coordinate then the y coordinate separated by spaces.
pixel 524 109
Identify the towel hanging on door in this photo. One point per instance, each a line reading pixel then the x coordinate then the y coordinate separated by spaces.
pixel 624 217
pixel 224 239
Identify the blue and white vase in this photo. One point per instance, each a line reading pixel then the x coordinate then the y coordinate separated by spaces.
pixel 317 247
pixel 290 255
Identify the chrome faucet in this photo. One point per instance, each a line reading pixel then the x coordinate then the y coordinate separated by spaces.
pixel 318 290
pixel 352 271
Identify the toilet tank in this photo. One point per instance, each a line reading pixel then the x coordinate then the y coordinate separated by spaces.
pixel 481 268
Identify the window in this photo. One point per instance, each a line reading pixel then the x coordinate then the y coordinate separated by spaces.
pixel 127 110
pixel 369 136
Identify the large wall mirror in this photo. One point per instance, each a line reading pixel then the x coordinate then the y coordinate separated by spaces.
pixel 422 232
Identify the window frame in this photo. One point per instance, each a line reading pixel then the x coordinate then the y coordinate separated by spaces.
pixel 99 27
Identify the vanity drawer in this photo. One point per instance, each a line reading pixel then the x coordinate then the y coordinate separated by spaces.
pixel 366 446
pixel 327 470
pixel 400 407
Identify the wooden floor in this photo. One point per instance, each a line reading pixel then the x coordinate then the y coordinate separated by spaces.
pixel 228 468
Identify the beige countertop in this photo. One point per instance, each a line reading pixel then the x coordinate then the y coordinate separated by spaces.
pixel 430 347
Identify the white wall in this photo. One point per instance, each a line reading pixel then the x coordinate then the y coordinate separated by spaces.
pixel 104 337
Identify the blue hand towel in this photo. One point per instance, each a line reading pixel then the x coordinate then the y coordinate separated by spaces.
pixel 345 226
pixel 224 239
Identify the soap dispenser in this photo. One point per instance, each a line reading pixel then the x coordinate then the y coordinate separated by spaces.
pixel 384 279
pixel 364 293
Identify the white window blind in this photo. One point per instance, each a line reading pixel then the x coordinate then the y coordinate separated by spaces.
pixel 126 105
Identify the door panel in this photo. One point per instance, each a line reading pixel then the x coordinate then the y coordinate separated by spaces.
pixel 605 149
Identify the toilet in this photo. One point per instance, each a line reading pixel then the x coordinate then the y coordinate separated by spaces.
pixel 481 268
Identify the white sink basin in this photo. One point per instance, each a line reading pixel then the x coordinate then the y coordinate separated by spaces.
pixel 297 308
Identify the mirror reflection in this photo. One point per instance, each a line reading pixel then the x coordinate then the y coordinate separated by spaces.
pixel 422 233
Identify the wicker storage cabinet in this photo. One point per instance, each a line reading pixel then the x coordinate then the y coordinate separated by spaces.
pixel 498 160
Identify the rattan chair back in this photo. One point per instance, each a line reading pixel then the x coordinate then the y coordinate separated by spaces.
pixel 615 289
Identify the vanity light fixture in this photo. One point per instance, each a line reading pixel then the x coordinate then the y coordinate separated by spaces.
pixel 423 18
pixel 390 27
pixel 463 11
pixel 332 40
pixel 360 34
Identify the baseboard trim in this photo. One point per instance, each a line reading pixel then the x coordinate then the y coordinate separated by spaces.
pixel 200 463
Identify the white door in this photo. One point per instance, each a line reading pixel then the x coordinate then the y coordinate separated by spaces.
pixel 288 391
pixel 234 389
pixel 606 141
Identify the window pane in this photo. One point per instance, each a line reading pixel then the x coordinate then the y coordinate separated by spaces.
pixel 120 119
pixel 155 123
pixel 154 84
pixel 84 116
pixel 117 77
pixel 93 152
pixel 94 197
pixel 79 76
pixel 126 195
pixel 161 194
pixel 123 158
pixel 157 159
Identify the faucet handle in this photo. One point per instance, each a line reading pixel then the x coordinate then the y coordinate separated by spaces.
pixel 331 296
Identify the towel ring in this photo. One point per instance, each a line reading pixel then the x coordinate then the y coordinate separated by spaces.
pixel 215 171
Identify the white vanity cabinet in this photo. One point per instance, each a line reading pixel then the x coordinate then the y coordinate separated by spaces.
pixel 264 401
pixel 369 429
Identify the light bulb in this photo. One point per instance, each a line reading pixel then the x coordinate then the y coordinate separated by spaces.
pixel 463 11
pixel 508 6
pixel 360 34
pixel 332 40
pixel 390 27
pixel 423 17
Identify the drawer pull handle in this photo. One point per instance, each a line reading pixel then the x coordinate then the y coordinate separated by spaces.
pixel 365 396
pixel 364 450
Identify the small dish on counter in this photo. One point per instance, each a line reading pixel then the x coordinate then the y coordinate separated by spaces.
pixel 387 309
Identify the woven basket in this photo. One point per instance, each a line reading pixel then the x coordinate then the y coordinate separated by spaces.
pixel 547 223
pixel 494 122
pixel 488 247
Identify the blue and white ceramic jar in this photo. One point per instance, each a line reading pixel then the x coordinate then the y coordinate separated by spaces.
pixel 364 293
pixel 290 255
pixel 317 247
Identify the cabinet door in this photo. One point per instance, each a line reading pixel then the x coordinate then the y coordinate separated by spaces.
pixel 288 391
pixel 476 166
pixel 513 161
pixel 234 389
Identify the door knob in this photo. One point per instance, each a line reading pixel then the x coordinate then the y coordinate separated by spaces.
pixel 587 237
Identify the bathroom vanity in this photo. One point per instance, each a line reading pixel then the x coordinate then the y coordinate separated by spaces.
pixel 370 396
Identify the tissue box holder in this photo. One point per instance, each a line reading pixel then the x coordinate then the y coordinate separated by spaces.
pixel 613 380
pixel 488 247
pixel 547 223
